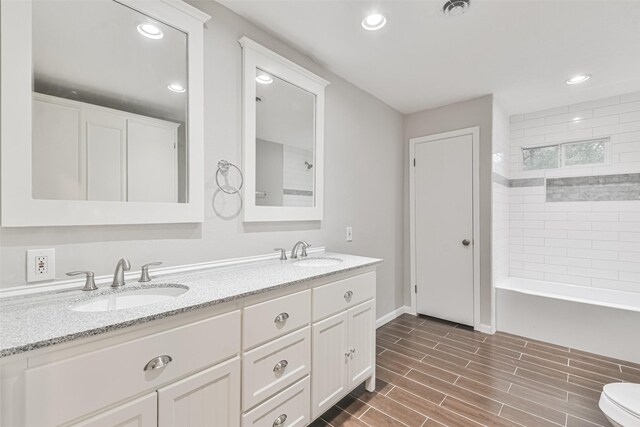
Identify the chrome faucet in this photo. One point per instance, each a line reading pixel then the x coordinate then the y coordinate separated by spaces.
pixel 294 251
pixel 118 276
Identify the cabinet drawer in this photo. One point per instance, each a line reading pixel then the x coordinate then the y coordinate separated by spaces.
pixel 65 390
pixel 260 324
pixel 292 405
pixel 269 369
pixel 334 297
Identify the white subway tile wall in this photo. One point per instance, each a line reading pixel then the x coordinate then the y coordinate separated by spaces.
pixel 583 243
pixel 500 198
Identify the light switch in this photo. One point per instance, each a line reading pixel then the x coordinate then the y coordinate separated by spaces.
pixel 349 234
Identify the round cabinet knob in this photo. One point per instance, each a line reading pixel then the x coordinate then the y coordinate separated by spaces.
pixel 348 294
pixel 466 242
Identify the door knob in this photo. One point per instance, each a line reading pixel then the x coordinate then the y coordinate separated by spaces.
pixel 466 242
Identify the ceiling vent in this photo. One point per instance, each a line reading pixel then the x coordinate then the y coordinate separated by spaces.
pixel 455 7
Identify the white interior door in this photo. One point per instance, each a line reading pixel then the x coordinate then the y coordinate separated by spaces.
pixel 106 156
pixel 152 162
pixel 57 151
pixel 443 194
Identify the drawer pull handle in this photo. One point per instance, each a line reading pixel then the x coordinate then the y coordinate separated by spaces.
pixel 348 294
pixel 281 317
pixel 280 366
pixel 280 420
pixel 158 362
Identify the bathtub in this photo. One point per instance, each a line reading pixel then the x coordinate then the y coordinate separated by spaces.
pixel 596 320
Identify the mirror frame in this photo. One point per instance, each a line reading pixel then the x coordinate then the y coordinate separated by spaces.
pixel 256 56
pixel 19 209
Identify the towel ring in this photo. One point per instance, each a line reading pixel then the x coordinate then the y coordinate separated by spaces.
pixel 223 167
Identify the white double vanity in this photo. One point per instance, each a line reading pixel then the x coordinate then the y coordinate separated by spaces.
pixel 267 343
pixel 102 124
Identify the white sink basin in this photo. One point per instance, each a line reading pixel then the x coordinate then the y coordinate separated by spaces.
pixel 318 262
pixel 129 299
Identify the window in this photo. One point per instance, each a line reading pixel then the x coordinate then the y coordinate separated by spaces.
pixel 564 155
pixel 540 158
pixel 583 153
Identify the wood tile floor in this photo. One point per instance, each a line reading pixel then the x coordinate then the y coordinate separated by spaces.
pixel 435 373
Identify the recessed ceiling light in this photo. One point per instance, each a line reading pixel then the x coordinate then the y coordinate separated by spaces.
pixel 580 78
pixel 150 30
pixel 373 22
pixel 264 79
pixel 175 87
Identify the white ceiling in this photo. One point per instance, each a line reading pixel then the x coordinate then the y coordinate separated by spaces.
pixel 286 114
pixel 91 51
pixel 520 50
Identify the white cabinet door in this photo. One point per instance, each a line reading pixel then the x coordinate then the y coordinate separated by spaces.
pixel 57 151
pixel 153 161
pixel 329 362
pixel 210 398
pixel 142 412
pixel 361 342
pixel 106 155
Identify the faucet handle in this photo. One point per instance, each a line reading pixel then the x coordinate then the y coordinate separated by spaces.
pixel 304 249
pixel 283 254
pixel 89 284
pixel 144 274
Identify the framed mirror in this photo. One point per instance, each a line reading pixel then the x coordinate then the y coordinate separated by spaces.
pixel 102 112
pixel 283 138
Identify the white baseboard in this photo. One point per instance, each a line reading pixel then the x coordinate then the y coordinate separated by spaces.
pixel 390 316
pixel 487 329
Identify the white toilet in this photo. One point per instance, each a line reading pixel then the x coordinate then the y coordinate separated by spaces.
pixel 620 403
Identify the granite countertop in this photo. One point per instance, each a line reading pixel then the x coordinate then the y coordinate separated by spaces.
pixel 41 320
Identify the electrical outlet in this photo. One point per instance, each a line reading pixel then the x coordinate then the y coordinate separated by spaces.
pixel 349 234
pixel 41 265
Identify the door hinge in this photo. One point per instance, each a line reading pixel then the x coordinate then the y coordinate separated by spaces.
pixel 416 288
pixel 414 162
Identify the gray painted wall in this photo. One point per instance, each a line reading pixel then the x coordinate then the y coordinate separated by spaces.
pixel 476 112
pixel 363 178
